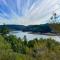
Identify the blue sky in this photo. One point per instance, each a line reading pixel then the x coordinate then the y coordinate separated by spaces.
pixel 27 12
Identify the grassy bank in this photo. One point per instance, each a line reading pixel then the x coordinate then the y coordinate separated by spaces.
pixel 13 48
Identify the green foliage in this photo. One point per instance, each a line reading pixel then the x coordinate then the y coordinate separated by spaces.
pixel 4 30
pixel 16 43
pixel 25 40
pixel 13 48
pixel 4 44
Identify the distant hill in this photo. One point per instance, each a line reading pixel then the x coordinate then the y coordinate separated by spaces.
pixel 42 28
pixel 14 27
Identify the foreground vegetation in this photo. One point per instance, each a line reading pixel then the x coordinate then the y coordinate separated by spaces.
pixel 13 48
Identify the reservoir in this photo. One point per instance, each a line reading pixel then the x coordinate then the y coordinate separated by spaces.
pixel 33 36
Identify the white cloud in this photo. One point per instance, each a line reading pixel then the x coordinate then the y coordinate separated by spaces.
pixel 38 13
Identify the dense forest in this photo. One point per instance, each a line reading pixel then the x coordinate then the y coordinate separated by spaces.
pixel 13 48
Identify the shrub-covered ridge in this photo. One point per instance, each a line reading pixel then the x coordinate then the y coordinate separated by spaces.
pixel 13 48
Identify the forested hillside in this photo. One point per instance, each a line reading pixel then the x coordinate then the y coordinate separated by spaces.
pixel 42 28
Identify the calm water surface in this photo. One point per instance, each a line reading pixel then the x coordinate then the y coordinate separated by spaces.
pixel 32 36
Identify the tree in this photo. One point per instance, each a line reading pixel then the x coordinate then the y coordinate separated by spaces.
pixel 25 40
pixel 4 30
pixel 53 18
pixel 54 24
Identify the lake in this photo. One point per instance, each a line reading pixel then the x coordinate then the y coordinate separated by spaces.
pixel 32 36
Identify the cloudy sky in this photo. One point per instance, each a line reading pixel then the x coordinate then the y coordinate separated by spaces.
pixel 26 12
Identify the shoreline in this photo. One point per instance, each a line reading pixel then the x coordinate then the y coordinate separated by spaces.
pixel 49 34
